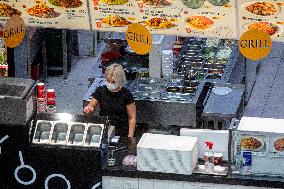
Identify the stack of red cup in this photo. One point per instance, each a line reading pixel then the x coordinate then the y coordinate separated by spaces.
pixel 41 100
pixel 51 102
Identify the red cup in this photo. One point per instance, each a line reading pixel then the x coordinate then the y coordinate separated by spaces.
pixel 51 97
pixel 50 93
pixel 40 90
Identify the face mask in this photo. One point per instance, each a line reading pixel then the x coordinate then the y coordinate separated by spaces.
pixel 111 86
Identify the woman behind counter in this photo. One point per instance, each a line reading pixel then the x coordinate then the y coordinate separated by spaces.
pixel 115 101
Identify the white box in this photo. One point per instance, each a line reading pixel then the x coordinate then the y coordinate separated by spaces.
pixel 167 153
pixel 220 138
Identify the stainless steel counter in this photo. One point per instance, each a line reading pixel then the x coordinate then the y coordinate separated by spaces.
pixel 224 105
pixel 166 112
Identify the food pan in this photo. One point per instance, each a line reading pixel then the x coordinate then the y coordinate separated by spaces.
pixel 215 71
pixel 43 132
pixel 76 134
pixel 214 66
pixel 59 133
pixel 190 90
pixel 192 83
pixel 94 135
pixel 214 76
pixel 173 89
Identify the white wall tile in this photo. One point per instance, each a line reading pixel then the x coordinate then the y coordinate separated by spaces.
pixel 146 183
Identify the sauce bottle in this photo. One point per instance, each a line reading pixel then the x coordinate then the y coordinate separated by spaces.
pixel 209 158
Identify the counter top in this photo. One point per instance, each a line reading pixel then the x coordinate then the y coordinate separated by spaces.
pixel 131 171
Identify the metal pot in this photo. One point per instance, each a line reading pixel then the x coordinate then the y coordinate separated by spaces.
pixel 213 76
pixel 215 71
pixel 188 89
pixel 173 89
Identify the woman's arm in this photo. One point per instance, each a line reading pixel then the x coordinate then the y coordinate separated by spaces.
pixel 91 106
pixel 131 111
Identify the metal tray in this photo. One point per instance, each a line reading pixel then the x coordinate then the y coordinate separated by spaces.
pixel 43 132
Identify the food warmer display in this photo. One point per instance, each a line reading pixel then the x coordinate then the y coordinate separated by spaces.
pixel 258 146
pixel 67 143
pixel 59 129
pixel 209 59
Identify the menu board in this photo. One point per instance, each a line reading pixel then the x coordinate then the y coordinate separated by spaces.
pixel 212 18
pixel 267 16
pixel 48 13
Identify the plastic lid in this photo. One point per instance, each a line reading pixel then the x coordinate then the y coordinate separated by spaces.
pixel 50 90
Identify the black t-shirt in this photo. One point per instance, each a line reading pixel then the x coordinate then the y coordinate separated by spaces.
pixel 113 104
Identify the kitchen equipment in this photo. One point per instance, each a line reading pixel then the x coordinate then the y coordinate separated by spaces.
pixel 263 138
pixel 17 100
pixel 223 102
pixel 167 153
pixel 75 161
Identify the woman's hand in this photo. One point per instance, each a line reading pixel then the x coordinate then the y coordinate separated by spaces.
pixel 89 109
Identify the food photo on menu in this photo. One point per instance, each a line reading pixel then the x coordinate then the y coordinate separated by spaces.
pixel 252 143
pixel 214 18
pixel 276 145
pixel 42 10
pixel 267 16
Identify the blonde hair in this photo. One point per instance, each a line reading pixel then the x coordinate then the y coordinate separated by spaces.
pixel 116 72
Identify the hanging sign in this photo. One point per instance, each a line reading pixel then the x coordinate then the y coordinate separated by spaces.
pixel 14 31
pixel 255 44
pixel 139 39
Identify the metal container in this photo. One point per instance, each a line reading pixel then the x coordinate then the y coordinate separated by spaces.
pixel 151 95
pixel 214 66
pixel 42 132
pixel 214 76
pixel 215 71
pixel 77 134
pixel 94 135
pixel 173 89
pixel 59 133
pixel 190 90
pixel 192 83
